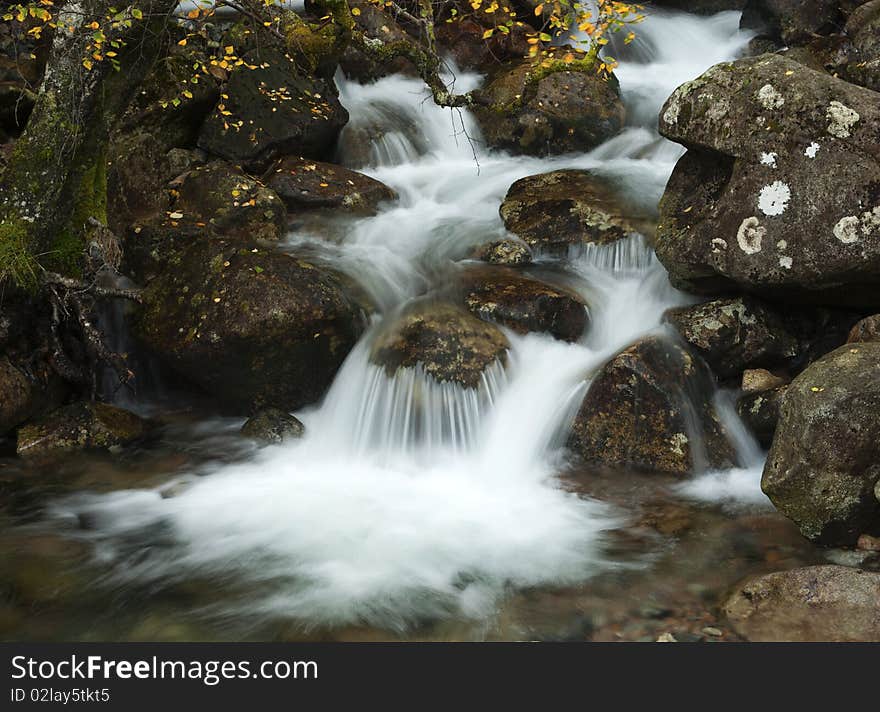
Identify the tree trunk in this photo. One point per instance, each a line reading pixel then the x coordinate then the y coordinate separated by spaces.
pixel 55 179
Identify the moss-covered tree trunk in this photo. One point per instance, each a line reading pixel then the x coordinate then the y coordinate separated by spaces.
pixel 55 179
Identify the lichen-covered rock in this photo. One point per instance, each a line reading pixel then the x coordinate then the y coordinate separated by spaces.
pixel 272 426
pixel 273 110
pixel 557 210
pixel 863 58
pixel 757 202
pixel 304 184
pixel 868 329
pixel 758 380
pixel 79 426
pixel 539 110
pixel 504 252
pixel 251 326
pixel 650 408
pixel 448 343
pixel 760 410
pixel 825 460
pixel 810 604
pixel 792 21
pixel 735 334
pixel 230 202
pixel 523 304
pixel 16 396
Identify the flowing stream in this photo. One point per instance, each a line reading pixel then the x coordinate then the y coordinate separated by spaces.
pixel 409 499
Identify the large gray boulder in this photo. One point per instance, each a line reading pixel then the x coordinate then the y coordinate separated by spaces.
pixel 825 460
pixel 778 192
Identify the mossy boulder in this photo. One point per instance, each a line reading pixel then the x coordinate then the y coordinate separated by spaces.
pixel 550 108
pixel 651 408
pixel 448 343
pixel 273 110
pixel 304 184
pixel 554 211
pixel 271 426
pixel 778 192
pixel 523 304
pixel 377 25
pixel 735 334
pixel 825 460
pixel 810 604
pixel 231 202
pixel 251 326
pixel 77 427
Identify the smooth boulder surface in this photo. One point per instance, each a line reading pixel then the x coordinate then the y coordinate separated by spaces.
pixel 778 192
pixel 273 110
pixel 253 327
pixel 448 343
pixel 79 426
pixel 561 209
pixel 735 334
pixel 825 461
pixel 650 408
pixel 810 604
pixel 524 304
pixel 304 184
pixel 271 426
pixel 527 108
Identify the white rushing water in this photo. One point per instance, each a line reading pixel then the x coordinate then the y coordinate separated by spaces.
pixel 407 498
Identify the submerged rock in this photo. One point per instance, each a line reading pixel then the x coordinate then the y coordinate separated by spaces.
pixel 825 461
pixel 251 326
pixel 810 604
pixel 757 202
pixel 735 334
pixel 230 202
pixel 273 110
pixel 556 108
pixel 304 184
pixel 450 344
pixel 557 210
pixel 524 304
pixel 650 408
pixel 79 426
pixel 271 426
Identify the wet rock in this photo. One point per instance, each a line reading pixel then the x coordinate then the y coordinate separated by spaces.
pixel 539 110
pixel 230 202
pixel 554 211
pixel 524 304
pixel 149 248
pixel 274 110
pixel 16 396
pixel 758 380
pixel 504 252
pixel 376 25
pixel 137 176
pixel 756 203
pixel 825 461
pixel 251 326
pixel 464 39
pixel 863 56
pixel 868 329
pixel 701 7
pixel 271 426
pixel 792 21
pixel 760 412
pixel 79 426
pixel 810 604
pixel 650 407
pixel 307 185
pixel 735 334
pixel 450 344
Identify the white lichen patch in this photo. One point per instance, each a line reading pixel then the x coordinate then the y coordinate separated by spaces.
pixel 678 441
pixel 718 244
pixel 812 150
pixel 841 119
pixel 773 199
pixel 847 229
pixel 781 245
pixel 769 98
pixel 768 159
pixel 670 116
pixel 785 262
pixel 750 234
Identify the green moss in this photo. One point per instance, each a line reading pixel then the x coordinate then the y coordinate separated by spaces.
pixel 316 46
pixel 17 265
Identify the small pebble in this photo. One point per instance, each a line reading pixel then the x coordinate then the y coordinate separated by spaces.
pixel 714 632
